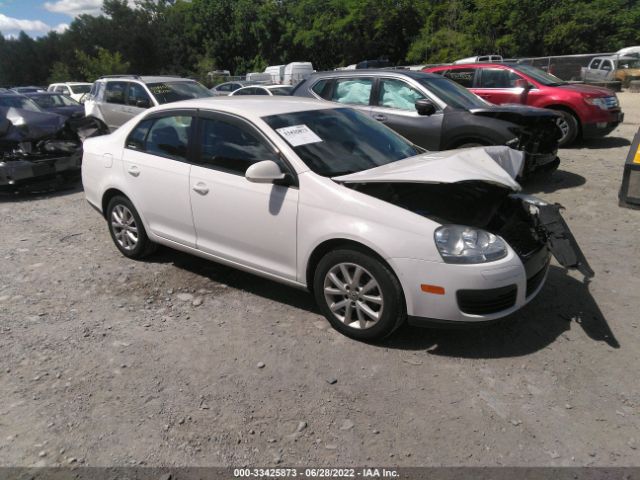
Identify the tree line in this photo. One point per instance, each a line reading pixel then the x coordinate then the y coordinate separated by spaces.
pixel 192 37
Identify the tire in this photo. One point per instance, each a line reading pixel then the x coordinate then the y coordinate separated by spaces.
pixel 470 144
pixel 569 127
pixel 330 288
pixel 126 229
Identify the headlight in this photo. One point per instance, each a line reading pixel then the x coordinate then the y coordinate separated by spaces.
pixel 597 102
pixel 460 244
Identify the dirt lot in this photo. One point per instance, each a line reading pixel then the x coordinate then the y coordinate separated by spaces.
pixel 106 361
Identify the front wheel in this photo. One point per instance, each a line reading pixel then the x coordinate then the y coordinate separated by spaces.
pixel 568 125
pixel 358 294
pixel 127 230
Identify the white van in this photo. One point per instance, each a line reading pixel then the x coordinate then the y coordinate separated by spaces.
pixel 276 72
pixel 258 77
pixel 295 72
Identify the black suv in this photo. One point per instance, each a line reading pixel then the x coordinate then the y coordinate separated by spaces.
pixel 438 114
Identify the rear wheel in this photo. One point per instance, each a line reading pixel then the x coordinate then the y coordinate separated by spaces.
pixel 568 125
pixel 358 294
pixel 127 230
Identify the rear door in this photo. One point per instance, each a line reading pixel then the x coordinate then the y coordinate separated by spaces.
pixel 394 105
pixel 251 224
pixel 353 91
pixel 591 72
pixel 114 105
pixel 605 73
pixel 156 170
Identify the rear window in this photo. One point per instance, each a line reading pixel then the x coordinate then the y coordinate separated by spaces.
pixel 463 76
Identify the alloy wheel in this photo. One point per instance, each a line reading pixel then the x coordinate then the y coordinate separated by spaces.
pixel 353 295
pixel 125 229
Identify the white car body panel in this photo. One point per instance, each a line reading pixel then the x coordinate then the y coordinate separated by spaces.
pixel 272 231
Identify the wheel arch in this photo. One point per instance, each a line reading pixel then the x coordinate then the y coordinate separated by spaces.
pixel 107 196
pixel 333 244
pixel 566 108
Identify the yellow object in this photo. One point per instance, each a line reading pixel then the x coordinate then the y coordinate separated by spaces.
pixel 636 159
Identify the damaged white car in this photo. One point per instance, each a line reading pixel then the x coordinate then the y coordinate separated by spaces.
pixel 327 199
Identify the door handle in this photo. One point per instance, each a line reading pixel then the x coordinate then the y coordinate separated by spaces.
pixel 200 188
pixel 380 117
pixel 133 171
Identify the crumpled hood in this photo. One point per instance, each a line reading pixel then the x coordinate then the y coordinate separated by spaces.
pixel 517 113
pixel 26 125
pixel 496 164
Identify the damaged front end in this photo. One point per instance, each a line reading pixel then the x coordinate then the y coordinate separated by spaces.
pixel 38 148
pixel 536 133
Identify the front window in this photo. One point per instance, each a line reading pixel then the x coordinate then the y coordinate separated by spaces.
pixel 452 94
pixel 167 92
pixel 397 94
pixel 540 76
pixel 340 141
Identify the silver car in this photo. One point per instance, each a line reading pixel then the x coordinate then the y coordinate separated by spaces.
pixel 115 99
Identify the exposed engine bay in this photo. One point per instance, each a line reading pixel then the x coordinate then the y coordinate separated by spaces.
pixel 527 224
pixel 39 147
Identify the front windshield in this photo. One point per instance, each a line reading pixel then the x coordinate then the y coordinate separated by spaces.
pixel 19 102
pixel 80 88
pixel 281 90
pixel 453 94
pixel 167 92
pixel 50 101
pixel 540 76
pixel 340 141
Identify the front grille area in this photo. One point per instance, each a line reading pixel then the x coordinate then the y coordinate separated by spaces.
pixel 534 281
pixel 611 102
pixel 485 302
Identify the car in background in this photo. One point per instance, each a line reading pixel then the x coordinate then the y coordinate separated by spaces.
pixel 57 103
pixel 323 197
pixel 585 110
pixel 115 99
pixel 480 59
pixel 612 68
pixel 264 90
pixel 29 89
pixel 438 114
pixel 75 90
pixel 228 87
pixel 12 99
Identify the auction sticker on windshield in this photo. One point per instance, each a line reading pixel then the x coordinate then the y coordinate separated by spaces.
pixel 298 135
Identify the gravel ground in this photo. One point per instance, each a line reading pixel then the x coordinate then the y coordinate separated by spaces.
pixel 178 361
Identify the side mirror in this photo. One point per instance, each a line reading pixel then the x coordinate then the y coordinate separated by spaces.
pixel 144 103
pixel 425 107
pixel 266 171
pixel 522 83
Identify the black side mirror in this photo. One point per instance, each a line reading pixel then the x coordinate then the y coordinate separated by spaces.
pixel 425 107
pixel 144 103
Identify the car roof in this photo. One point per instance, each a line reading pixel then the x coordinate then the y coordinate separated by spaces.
pixel 71 83
pixel 373 71
pixel 145 79
pixel 250 106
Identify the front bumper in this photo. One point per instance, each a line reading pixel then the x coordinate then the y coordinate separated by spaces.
pixel 603 127
pixel 17 173
pixel 540 161
pixel 473 294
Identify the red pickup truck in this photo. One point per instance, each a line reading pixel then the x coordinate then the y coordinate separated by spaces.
pixel 587 111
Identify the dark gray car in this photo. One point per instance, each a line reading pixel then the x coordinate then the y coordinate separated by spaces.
pixel 438 114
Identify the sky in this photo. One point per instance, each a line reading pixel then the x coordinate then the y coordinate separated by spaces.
pixel 37 17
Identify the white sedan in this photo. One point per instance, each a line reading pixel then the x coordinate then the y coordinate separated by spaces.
pixel 330 200
pixel 270 90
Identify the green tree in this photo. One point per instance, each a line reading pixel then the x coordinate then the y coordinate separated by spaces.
pixel 104 63
pixel 59 73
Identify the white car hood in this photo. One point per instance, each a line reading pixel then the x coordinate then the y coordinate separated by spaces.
pixel 497 164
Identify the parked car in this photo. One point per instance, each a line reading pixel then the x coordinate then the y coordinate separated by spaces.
pixel 29 89
pixel 75 90
pixel 36 147
pixel 316 196
pixel 228 87
pixel 264 90
pixel 612 68
pixel 115 99
pixel 438 114
pixel 57 103
pixel 585 110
